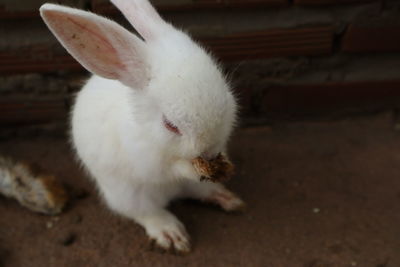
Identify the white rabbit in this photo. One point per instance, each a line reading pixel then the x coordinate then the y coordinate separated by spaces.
pixel 149 109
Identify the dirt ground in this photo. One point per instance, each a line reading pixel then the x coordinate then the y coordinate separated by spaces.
pixel 319 194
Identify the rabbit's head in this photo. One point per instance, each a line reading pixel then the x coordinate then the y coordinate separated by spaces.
pixel 192 106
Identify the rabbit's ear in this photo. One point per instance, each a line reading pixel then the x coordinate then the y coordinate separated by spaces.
pixel 143 17
pixel 102 46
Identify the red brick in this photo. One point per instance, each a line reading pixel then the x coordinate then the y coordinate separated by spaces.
pixel 379 38
pixel 329 2
pixel 320 98
pixel 28 110
pixel 30 9
pixel 36 59
pixel 315 40
pixel 255 3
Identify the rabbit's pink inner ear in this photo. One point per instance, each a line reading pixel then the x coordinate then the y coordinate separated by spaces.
pixel 86 41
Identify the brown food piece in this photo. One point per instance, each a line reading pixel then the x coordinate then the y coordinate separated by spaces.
pixel 218 169
pixel 31 187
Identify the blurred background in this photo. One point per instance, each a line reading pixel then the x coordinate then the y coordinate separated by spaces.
pixel 288 59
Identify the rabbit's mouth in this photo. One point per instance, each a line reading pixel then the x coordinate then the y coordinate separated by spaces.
pixel 218 169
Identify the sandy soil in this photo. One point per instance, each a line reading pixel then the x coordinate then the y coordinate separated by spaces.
pixel 318 194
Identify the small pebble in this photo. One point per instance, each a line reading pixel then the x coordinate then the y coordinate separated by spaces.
pixel 316 210
pixel 353 263
pixel 49 224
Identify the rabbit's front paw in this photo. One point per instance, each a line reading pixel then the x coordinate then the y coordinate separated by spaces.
pixel 168 234
pixel 227 200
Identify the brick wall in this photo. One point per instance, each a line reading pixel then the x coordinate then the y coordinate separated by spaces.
pixel 286 57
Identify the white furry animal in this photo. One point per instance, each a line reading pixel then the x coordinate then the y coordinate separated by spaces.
pixel 149 109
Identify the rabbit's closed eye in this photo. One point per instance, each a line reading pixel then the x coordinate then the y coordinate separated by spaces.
pixel 171 127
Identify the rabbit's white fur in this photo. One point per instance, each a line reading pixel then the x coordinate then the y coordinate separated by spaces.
pixel 118 126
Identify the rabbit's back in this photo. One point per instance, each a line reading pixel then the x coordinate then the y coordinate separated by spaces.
pixel 99 108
